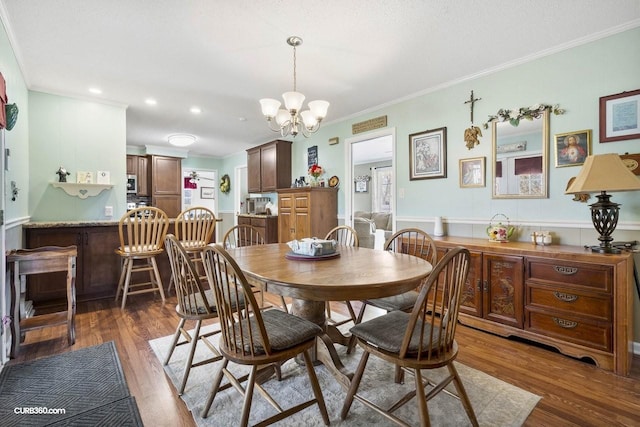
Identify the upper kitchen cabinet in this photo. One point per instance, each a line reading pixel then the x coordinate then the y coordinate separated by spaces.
pixel 138 167
pixel 269 167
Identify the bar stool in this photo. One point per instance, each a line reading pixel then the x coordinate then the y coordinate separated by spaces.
pixel 47 259
pixel 142 232
pixel 194 228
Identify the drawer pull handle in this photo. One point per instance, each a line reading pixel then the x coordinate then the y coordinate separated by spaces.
pixel 566 324
pixel 565 297
pixel 568 271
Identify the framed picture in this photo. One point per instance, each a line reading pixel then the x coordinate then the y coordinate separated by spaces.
pixel 362 184
pixel 620 116
pixel 472 172
pixel 428 154
pixel 572 148
pixel 207 193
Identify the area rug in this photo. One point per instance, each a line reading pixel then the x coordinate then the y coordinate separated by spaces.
pixel 85 387
pixel 496 403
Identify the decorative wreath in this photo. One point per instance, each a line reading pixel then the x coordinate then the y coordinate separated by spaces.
pixel 225 184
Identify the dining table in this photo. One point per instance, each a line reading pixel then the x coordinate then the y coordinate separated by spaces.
pixel 351 274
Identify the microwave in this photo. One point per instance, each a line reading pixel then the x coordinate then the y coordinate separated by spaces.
pixel 132 184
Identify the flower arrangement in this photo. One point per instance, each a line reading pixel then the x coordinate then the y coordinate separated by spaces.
pixel 315 171
pixel 528 113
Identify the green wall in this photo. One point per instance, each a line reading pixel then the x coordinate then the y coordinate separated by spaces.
pixel 81 136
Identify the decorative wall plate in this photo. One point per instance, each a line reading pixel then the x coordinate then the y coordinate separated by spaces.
pixel 632 161
pixel 334 181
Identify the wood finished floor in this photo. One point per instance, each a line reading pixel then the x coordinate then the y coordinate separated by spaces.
pixel 574 393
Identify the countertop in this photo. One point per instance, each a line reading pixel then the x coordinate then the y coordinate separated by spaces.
pixel 258 215
pixel 57 224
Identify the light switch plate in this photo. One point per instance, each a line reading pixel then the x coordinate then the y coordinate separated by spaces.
pixel 108 211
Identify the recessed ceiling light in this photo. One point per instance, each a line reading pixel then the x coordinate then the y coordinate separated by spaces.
pixel 181 139
pixel 150 101
pixel 196 110
pixel 242 119
pixel 95 90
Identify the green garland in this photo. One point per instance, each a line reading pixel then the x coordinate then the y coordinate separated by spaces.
pixel 526 113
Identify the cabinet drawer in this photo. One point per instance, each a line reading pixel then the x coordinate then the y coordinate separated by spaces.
pixel 595 335
pixel 592 276
pixel 243 220
pixel 570 301
pixel 259 222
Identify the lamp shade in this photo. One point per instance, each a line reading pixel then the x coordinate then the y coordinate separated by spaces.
pixel 604 172
pixel 270 107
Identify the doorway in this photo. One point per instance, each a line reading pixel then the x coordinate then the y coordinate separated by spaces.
pixel 200 188
pixel 370 163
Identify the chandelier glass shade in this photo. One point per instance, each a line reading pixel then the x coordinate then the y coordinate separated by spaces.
pixel 290 120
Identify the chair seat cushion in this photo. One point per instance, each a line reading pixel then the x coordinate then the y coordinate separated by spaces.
pixel 387 332
pixel 403 302
pixel 284 330
pixel 200 305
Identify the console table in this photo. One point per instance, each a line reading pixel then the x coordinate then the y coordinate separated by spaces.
pixel 567 297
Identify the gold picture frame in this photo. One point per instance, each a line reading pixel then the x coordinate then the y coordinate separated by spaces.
pixel 473 172
pixel 572 148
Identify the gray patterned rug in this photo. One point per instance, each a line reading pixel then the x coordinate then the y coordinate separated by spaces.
pixel 85 387
pixel 495 402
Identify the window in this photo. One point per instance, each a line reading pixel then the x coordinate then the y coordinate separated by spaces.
pixel 381 188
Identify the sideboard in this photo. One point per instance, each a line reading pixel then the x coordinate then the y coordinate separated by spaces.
pixel 566 297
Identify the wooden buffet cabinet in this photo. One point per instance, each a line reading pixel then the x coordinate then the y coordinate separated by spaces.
pixel 306 212
pixel 569 298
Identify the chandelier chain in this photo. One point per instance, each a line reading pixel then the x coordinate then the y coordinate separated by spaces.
pixel 294 68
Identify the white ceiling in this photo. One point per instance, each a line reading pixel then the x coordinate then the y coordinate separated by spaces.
pixel 223 56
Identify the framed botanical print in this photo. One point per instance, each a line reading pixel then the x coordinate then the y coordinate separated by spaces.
pixel 428 154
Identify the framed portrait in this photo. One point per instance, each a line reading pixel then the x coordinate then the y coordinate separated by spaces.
pixel 428 154
pixel 572 148
pixel 207 193
pixel 472 172
pixel 620 116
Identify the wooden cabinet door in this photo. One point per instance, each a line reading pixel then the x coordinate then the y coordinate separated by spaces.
pixel 268 165
pixel 166 175
pixel 253 171
pixel 143 176
pixel 101 265
pixel 286 230
pixel 503 286
pixel 170 204
pixel 471 299
pixel 132 165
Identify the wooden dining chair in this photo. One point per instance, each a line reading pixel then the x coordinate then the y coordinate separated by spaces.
pixel 142 233
pixel 194 304
pixel 420 340
pixel 247 235
pixel 194 228
pixel 256 338
pixel 344 235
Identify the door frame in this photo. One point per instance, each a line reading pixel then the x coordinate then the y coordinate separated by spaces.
pixel 349 184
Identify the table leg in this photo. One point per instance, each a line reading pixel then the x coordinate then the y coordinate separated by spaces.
pixel 325 351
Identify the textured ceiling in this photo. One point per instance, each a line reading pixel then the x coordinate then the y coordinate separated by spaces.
pixel 223 56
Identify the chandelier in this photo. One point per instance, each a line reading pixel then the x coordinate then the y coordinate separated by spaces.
pixel 290 120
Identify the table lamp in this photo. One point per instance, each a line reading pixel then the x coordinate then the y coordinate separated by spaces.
pixel 604 173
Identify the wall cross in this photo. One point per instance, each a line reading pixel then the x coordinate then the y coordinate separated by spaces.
pixel 472 101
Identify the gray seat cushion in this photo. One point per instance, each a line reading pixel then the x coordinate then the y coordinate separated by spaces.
pixel 387 332
pixel 403 302
pixel 211 302
pixel 284 330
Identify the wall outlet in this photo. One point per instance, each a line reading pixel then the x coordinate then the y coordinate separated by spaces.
pixel 401 193
pixel 108 211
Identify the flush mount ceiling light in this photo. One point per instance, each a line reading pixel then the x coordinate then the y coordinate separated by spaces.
pixel 181 139
pixel 290 120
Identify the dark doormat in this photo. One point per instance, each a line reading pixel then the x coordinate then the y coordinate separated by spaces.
pixel 80 388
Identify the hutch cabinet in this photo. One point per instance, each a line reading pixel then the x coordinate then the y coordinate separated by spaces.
pixel 165 176
pixel 306 212
pixel 269 167
pixel 566 297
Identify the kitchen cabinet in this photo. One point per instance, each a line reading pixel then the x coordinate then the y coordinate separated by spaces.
pixel 138 166
pixel 306 212
pixel 269 167
pixel 165 177
pixel 579 302
pixel 267 225
pixel 97 265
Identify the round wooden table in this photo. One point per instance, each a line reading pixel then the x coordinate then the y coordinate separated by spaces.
pixel 357 274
